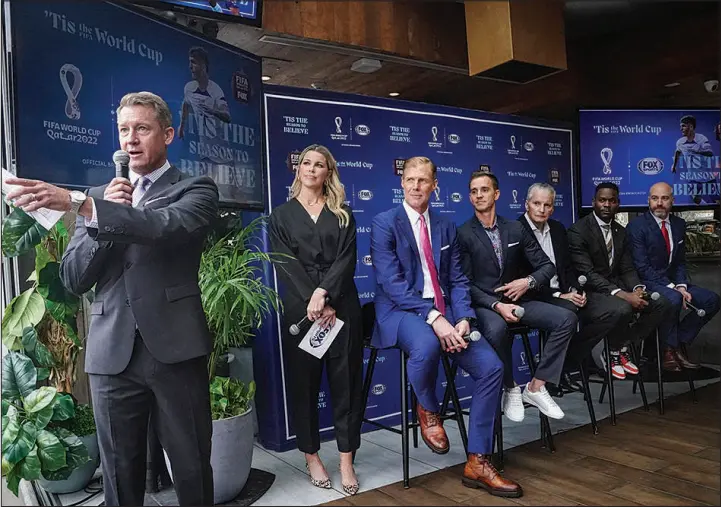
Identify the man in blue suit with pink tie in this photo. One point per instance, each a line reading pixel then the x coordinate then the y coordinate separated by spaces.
pixel 423 305
pixel 659 254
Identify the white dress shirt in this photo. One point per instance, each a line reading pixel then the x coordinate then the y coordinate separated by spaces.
pixel 544 239
pixel 415 219
pixel 133 177
pixel 670 240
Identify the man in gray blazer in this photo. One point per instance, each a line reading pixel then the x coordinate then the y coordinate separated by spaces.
pixel 139 242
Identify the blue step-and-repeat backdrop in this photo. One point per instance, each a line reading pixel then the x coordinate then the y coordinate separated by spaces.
pixel 636 148
pixel 370 137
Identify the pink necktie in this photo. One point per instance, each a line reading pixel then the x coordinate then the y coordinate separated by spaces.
pixel 428 254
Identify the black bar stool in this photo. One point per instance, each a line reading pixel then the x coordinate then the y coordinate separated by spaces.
pixel 406 389
pixel 659 372
pixel 607 382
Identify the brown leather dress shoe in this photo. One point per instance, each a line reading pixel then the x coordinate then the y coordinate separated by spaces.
pixel 684 361
pixel 670 363
pixel 480 473
pixel 432 431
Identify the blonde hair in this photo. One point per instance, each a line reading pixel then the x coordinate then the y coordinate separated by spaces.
pixel 148 99
pixel 418 161
pixel 333 190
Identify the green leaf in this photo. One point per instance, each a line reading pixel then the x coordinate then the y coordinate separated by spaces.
pixel 42 417
pixel 50 286
pixel 51 452
pixel 76 452
pixel 25 310
pixel 39 399
pixel 19 376
pixel 32 277
pixel 6 467
pixel 36 349
pixel 29 468
pixel 17 449
pixel 5 406
pixel 13 482
pixel 64 408
pixel 11 430
pixel 20 233
pixel 43 373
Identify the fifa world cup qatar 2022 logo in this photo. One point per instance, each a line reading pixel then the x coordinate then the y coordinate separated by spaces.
pixel 606 156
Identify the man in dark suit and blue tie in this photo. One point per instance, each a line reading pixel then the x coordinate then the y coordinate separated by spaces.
pixel 659 254
pixel 422 305
pixel 494 256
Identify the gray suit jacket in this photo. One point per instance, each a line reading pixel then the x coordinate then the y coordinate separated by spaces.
pixel 143 262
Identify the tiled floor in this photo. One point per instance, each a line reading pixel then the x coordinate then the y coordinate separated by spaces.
pixel 378 461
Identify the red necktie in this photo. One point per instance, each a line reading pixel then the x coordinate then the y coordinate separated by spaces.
pixel 428 255
pixel 664 231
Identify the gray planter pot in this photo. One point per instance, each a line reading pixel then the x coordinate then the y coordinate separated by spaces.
pixel 81 476
pixel 231 456
pixel 241 367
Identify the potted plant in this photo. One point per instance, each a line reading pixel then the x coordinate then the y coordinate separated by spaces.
pixel 41 325
pixel 34 443
pixel 82 424
pixel 235 301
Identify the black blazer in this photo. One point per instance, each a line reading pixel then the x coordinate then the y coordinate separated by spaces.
pixel 480 264
pixel 567 276
pixel 588 253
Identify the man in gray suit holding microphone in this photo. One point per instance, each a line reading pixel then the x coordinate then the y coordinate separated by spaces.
pixel 138 240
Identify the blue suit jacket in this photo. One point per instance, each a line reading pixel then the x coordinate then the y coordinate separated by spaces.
pixel 649 251
pixel 399 275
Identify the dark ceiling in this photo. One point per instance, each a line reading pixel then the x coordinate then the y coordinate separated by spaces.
pixel 620 54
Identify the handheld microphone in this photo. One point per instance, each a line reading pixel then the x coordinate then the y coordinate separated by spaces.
pixel 518 312
pixel 121 159
pixel 473 336
pixel 581 282
pixel 653 296
pixel 699 311
pixel 295 328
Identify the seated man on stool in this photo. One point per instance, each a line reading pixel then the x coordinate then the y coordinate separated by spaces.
pixel 659 254
pixel 422 306
pixel 494 253
pixel 564 289
pixel 600 252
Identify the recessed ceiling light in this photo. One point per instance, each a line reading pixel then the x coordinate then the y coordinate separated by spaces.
pixel 672 85
pixel 393 94
pixel 265 78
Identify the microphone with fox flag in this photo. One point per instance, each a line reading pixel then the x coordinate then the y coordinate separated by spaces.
pixel 121 159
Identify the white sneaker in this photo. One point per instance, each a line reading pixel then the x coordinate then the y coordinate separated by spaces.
pixel 513 404
pixel 543 401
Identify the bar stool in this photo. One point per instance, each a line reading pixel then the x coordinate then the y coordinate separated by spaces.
pixel 546 434
pixel 368 311
pixel 607 382
pixel 659 366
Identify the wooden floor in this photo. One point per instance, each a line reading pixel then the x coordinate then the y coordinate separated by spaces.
pixel 647 459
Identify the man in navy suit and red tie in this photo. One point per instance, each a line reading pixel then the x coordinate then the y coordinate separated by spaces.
pixel 423 305
pixel 659 254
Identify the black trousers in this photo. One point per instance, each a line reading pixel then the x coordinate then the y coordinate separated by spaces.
pixel 601 310
pixel 344 370
pixel 178 396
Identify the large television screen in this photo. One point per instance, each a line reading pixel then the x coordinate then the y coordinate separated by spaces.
pixel 636 148
pixel 66 98
pixel 243 11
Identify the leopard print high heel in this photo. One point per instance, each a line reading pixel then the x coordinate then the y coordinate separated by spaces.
pixel 349 489
pixel 318 483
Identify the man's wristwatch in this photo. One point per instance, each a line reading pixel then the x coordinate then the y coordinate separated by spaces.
pixel 531 282
pixel 77 199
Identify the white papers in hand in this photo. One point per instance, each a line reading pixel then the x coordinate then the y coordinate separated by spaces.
pixel 317 340
pixel 45 217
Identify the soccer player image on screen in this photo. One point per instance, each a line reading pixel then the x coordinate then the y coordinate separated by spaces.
pixel 691 143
